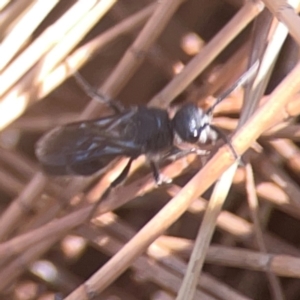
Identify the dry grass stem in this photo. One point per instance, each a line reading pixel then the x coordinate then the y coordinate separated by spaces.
pixel 208 53
pixel 164 54
pixel 274 282
pixel 20 35
pixel 158 252
pixel 49 39
pixel 136 53
pixel 285 13
pixel 142 265
pixel 17 98
pixel 235 257
pixel 11 13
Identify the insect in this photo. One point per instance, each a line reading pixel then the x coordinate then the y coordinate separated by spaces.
pixel 85 147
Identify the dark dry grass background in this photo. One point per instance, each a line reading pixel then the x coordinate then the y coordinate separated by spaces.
pixel 49 248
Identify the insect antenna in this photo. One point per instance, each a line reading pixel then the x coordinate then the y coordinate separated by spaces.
pixel 225 138
pixel 95 94
pixel 248 75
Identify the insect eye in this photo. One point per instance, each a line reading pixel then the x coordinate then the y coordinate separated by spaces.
pixel 187 122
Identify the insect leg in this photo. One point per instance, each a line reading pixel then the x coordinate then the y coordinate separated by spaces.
pixel 116 182
pixel 226 140
pixel 94 93
pixel 123 174
pixel 158 177
pixel 178 153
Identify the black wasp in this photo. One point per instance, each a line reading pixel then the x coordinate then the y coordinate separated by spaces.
pixel 85 147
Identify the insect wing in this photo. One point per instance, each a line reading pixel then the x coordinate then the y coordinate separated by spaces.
pixel 83 148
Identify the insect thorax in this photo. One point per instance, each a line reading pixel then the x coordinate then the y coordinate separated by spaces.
pixel 151 129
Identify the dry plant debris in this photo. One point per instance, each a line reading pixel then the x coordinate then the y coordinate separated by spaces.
pixel 182 240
